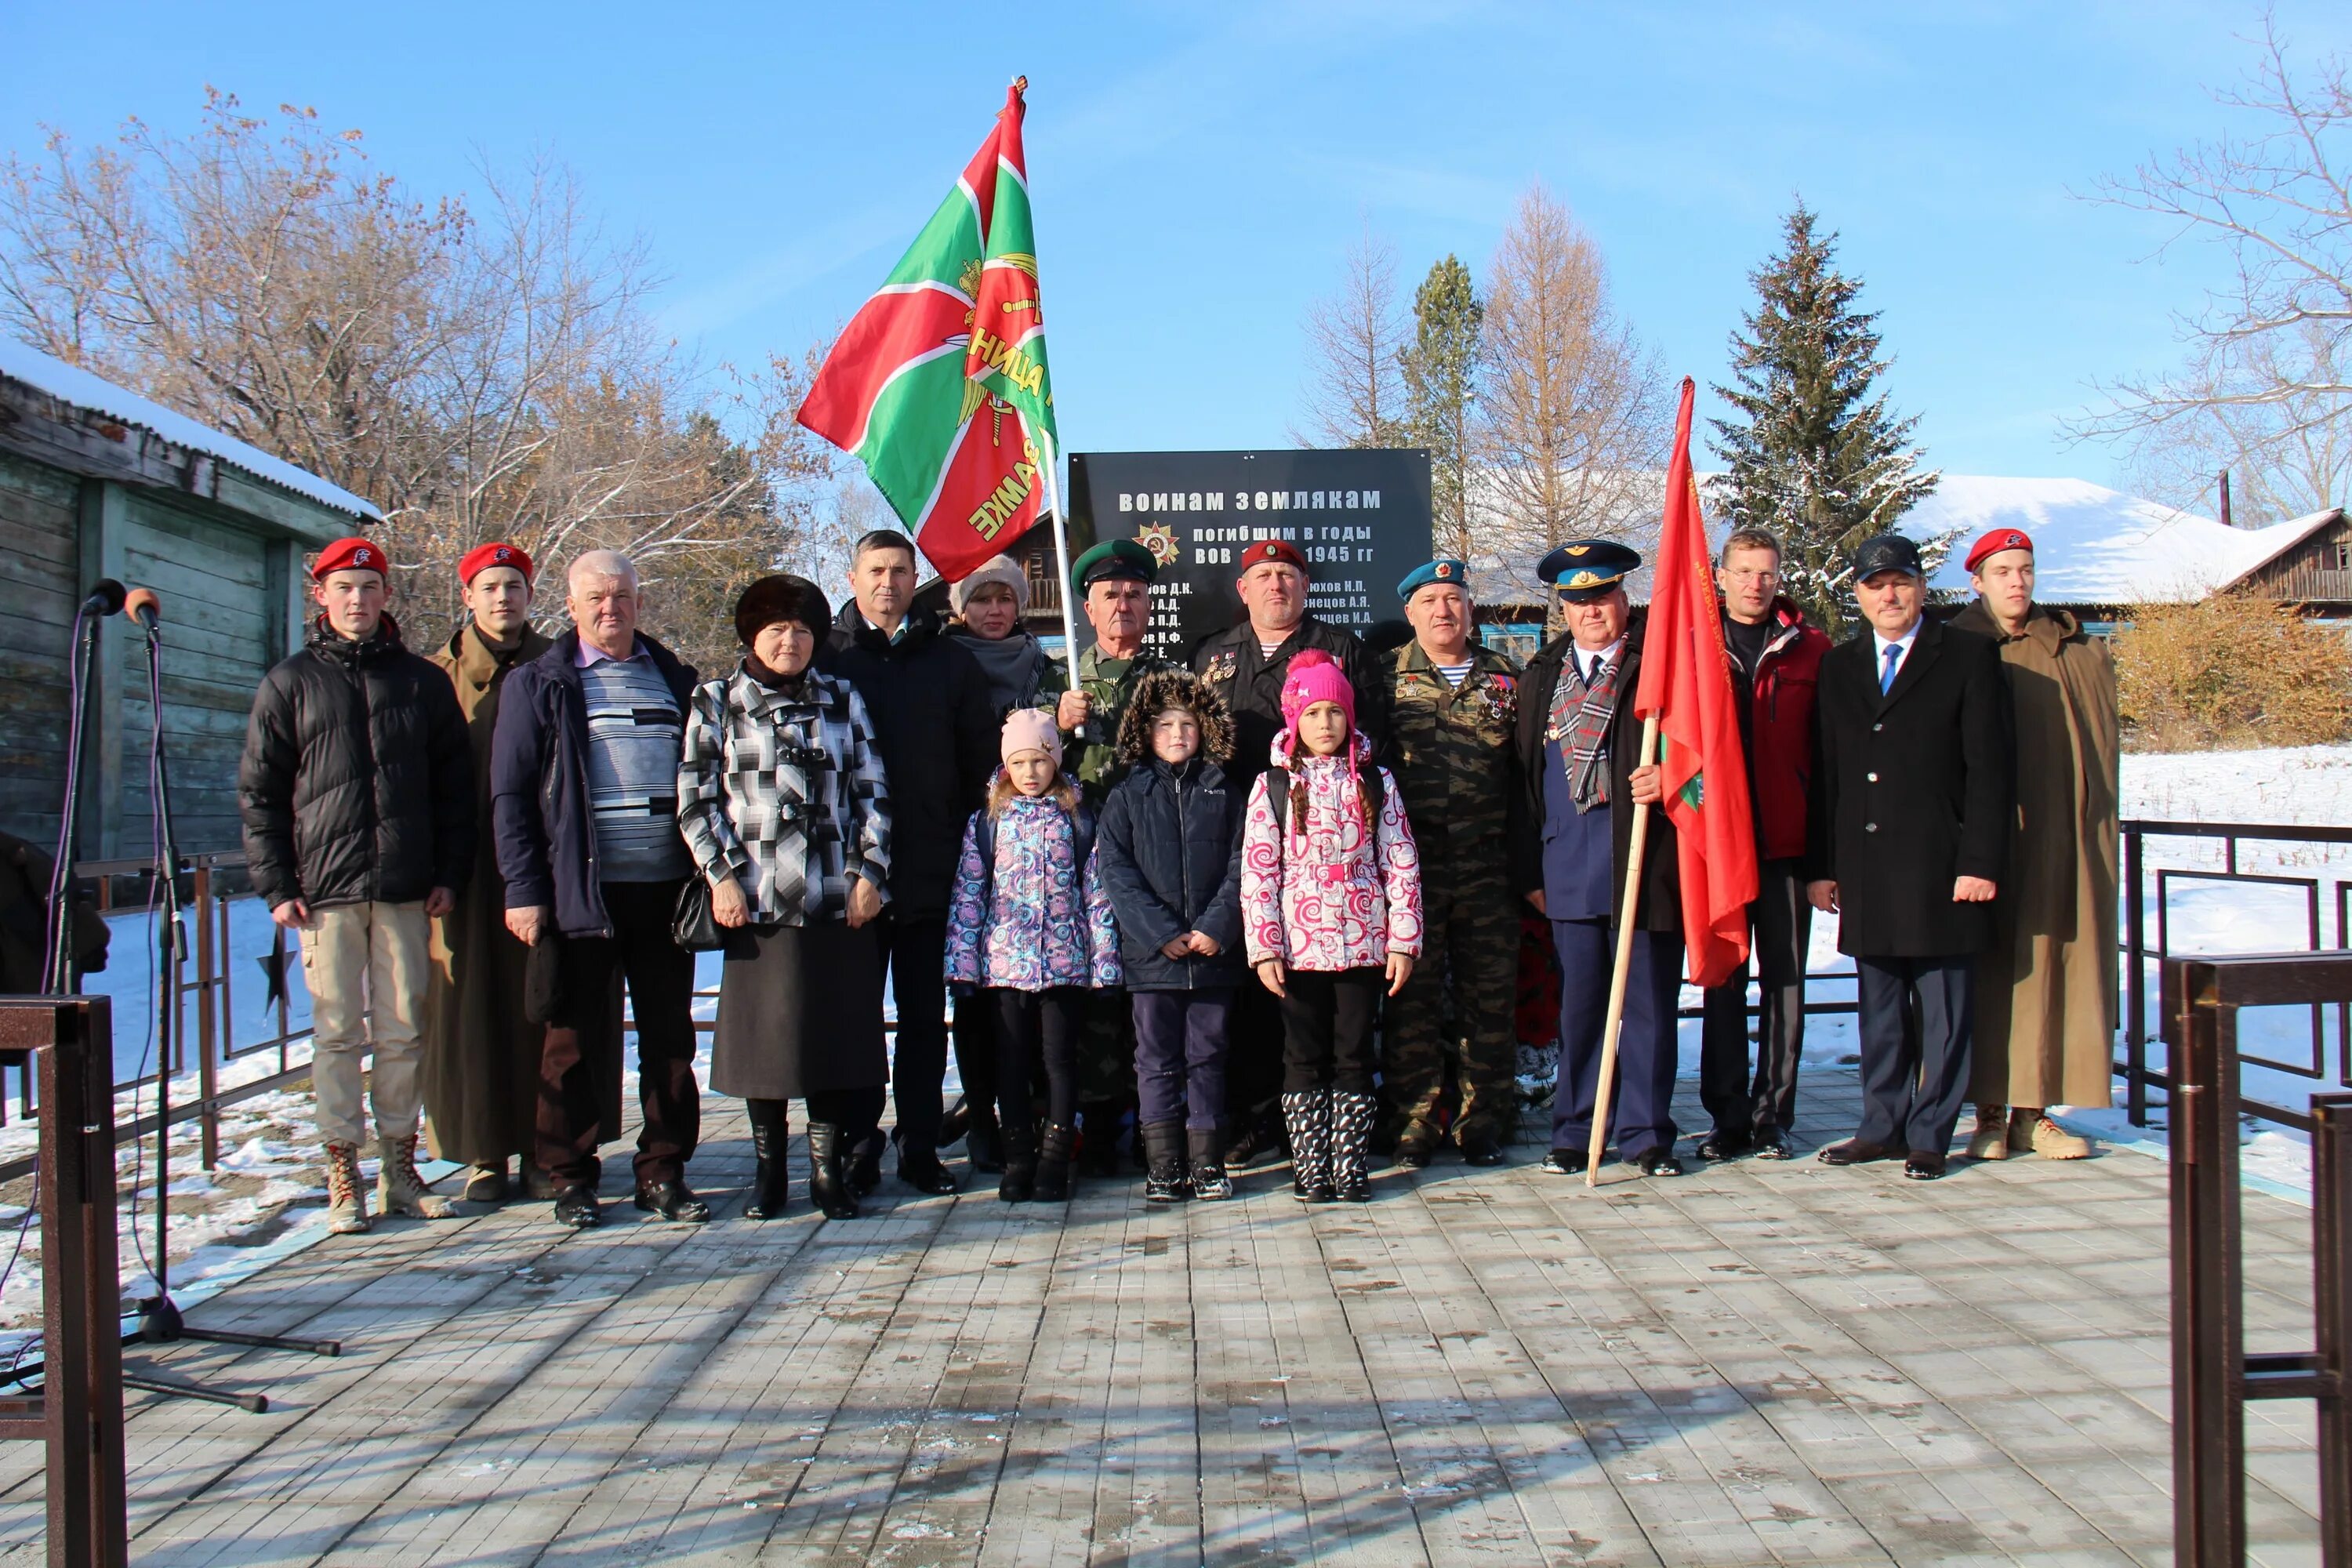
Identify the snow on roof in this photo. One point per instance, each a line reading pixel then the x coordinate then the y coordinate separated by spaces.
pixel 23 363
pixel 2092 546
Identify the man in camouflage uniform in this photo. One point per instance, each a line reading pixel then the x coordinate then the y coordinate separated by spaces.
pixel 1114 580
pixel 1453 724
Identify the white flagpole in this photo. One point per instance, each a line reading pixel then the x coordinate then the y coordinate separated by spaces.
pixel 1061 555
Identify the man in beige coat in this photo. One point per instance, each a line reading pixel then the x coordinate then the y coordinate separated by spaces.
pixel 481 1053
pixel 2045 1022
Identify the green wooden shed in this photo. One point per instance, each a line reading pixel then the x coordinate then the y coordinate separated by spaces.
pixel 96 482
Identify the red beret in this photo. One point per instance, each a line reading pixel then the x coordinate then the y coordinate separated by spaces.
pixel 1280 550
pixel 492 554
pixel 1993 543
pixel 350 555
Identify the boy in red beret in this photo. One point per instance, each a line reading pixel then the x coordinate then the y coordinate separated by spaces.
pixel 359 816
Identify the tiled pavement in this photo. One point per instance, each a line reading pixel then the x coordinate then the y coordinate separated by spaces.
pixel 1754 1364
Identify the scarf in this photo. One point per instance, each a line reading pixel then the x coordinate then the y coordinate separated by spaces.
pixel 1015 666
pixel 1580 727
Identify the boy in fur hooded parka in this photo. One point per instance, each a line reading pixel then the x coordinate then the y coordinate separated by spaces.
pixel 1170 844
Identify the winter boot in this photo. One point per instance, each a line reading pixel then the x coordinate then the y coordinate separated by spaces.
pixel 771 1177
pixel 486 1182
pixel 981 1146
pixel 828 1182
pixel 1308 1114
pixel 1018 1183
pixel 1163 1152
pixel 862 1166
pixel 1990 1139
pixel 1053 1151
pixel 1210 1183
pixel 398 1187
pixel 1351 1133
pixel 2031 1131
pixel 347 1212
pixel 1100 1117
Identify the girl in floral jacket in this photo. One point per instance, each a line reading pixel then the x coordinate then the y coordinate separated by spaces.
pixel 1330 908
pixel 1029 931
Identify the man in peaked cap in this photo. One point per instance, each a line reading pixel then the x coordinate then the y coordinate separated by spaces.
pixel 1248 664
pixel 1454 708
pixel 2046 990
pixel 1579 740
pixel 1113 581
pixel 481 1050
pixel 1908 837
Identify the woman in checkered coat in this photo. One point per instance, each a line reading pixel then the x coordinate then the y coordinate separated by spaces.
pixel 783 802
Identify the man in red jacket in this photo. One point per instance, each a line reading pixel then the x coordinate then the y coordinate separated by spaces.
pixel 1778 656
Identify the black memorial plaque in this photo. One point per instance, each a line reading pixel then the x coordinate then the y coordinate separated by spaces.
pixel 1361 518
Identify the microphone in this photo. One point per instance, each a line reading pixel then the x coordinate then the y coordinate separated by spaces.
pixel 105 597
pixel 145 606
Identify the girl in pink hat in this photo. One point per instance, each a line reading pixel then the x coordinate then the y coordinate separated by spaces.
pixel 1029 934
pixel 1331 912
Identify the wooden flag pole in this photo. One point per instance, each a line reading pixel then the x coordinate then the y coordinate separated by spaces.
pixel 1634 855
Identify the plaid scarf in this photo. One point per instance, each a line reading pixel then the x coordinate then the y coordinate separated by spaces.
pixel 1580 727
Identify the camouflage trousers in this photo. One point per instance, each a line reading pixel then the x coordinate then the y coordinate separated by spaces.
pixel 1457 1012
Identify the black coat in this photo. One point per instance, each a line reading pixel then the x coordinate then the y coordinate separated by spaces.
pixel 1911 791
pixel 1661 907
pixel 1170 844
pixel 1251 685
pixel 357 782
pixel 540 810
pixel 936 729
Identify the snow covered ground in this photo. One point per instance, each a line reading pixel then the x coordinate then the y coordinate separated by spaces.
pixel 268 1192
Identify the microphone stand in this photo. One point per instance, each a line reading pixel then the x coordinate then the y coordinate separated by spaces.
pixel 159 1321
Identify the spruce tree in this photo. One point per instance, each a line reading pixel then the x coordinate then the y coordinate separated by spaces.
pixel 1815 458
pixel 1440 368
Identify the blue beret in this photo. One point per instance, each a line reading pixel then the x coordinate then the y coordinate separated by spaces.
pixel 1453 573
pixel 1588 568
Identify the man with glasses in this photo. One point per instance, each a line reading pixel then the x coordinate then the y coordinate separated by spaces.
pixel 1776 657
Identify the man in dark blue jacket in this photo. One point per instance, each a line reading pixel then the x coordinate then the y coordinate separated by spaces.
pixel 583 800
pixel 936 729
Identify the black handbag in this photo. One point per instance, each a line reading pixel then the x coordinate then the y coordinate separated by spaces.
pixel 693 927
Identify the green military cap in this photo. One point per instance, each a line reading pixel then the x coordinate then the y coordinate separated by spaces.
pixel 1454 573
pixel 1114 559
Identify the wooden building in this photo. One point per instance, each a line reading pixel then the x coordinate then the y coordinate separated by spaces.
pixel 96 483
pixel 2312 567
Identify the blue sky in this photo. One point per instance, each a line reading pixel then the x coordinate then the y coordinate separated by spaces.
pixel 1199 168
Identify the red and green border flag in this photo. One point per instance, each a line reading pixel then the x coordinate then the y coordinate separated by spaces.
pixel 938 384
pixel 1686 683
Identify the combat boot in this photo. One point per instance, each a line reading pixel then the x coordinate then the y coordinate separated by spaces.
pixel 1990 1139
pixel 399 1188
pixel 347 1212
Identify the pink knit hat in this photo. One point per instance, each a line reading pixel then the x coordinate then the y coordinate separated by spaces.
pixel 1030 730
pixel 1316 677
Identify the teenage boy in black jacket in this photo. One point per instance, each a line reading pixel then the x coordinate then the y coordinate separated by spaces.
pixel 357 795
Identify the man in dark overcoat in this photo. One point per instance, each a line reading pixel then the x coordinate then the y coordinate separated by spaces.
pixel 1909 831
pixel 1579 744
pixel 1247 664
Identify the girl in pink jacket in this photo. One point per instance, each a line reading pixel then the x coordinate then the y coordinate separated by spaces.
pixel 1332 913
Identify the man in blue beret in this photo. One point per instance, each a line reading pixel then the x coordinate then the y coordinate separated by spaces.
pixel 1454 731
pixel 1579 740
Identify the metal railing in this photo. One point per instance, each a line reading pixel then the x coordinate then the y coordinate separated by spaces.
pixel 2212 1375
pixel 2133 1068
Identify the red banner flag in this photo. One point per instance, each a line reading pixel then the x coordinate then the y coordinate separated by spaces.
pixel 1686 683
